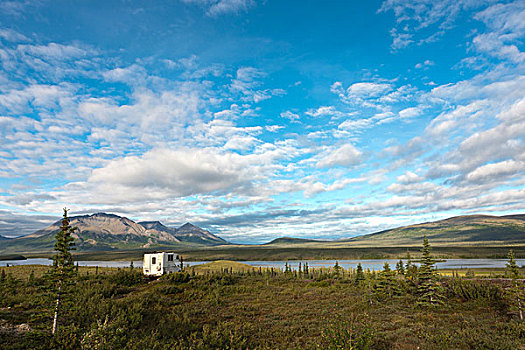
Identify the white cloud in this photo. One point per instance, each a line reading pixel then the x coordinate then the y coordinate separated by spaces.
pixel 426 63
pixel 55 52
pixel 247 83
pixel 222 7
pixel 273 128
pixel 409 177
pixel 410 112
pixel 400 40
pixel 290 115
pixel 496 171
pixel 346 155
pixel 182 172
pixel 132 75
pixel 242 143
pixel 327 111
pixel 11 35
pixel 412 17
pixel 366 90
pixel 229 6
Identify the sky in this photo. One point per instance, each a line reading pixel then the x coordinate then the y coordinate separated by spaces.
pixel 261 119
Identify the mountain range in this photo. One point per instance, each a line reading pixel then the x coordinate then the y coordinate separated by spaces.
pixel 100 232
pixel 103 231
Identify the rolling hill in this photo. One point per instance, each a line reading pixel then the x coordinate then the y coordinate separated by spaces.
pixel 290 240
pixel 461 230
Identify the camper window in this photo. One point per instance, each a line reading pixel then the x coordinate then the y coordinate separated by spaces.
pixel 153 260
pixel 170 257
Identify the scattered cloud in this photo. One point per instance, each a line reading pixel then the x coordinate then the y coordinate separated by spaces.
pixel 209 135
pixel 345 155
pixel 216 8
pixel 425 64
pixel 290 116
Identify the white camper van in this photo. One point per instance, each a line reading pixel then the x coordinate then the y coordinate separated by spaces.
pixel 158 264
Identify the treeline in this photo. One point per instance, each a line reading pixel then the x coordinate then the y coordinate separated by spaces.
pixel 424 282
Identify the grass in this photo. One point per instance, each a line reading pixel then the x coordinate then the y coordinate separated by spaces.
pixel 221 265
pixel 23 272
pixel 476 272
pixel 250 310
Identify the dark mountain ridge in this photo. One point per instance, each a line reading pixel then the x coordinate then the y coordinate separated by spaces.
pixel 191 233
pixel 102 231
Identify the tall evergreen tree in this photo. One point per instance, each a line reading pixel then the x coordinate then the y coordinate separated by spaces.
pixel 516 293
pixel 386 285
pixel 429 289
pixel 400 268
pixel 359 274
pixel 63 272
pixel 337 269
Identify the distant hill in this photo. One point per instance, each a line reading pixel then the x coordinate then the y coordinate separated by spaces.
pixel 290 240
pixel 468 230
pixel 103 231
pixel 459 230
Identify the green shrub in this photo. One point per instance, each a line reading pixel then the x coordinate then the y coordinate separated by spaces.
pixel 474 289
pixel 127 278
pixel 177 277
pixel 167 289
pixel 353 332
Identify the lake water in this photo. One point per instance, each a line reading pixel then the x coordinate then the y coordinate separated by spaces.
pixel 367 264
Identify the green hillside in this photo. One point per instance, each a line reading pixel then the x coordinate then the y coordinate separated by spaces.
pixel 461 230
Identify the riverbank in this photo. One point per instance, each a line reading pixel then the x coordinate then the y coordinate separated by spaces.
pixel 272 253
pixel 483 266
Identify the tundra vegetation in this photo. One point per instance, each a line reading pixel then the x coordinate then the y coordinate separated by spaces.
pixel 235 306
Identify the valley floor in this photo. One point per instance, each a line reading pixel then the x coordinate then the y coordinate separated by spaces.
pixel 296 252
pixel 236 309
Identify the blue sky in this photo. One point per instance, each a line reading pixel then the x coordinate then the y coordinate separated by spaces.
pixel 261 119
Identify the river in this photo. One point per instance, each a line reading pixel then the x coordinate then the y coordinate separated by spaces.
pixel 376 264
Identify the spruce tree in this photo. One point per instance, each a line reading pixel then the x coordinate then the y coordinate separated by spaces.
pixel 386 286
pixel 359 274
pixel 337 269
pixel 429 289
pixel 400 268
pixel 410 269
pixel 63 272
pixel 515 291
